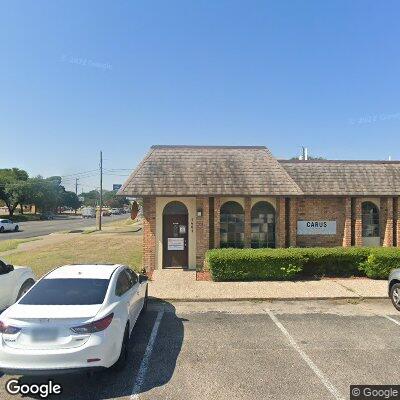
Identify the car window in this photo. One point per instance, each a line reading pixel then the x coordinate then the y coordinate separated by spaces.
pixel 134 278
pixel 68 291
pixel 123 283
pixel 3 268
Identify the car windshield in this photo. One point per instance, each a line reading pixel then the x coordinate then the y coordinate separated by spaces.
pixel 67 292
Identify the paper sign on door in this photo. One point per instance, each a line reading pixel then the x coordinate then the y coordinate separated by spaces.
pixel 176 244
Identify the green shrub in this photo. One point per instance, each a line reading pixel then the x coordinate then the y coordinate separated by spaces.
pixel 279 264
pixel 380 262
pixel 254 264
pixel 334 261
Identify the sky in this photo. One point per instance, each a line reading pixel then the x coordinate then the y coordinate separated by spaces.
pixel 77 77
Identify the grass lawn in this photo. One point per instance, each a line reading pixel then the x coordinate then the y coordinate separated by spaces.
pixel 13 243
pixel 123 248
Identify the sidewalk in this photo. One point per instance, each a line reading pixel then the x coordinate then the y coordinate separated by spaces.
pixel 181 285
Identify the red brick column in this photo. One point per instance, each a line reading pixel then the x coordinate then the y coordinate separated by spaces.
pixel 202 229
pixel 149 234
pixel 217 214
pixel 293 222
pixel 247 222
pixel 397 217
pixel 347 222
pixel 280 222
pixel 357 223
pixel 388 235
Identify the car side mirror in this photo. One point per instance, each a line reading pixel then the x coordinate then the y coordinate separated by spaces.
pixel 143 278
pixel 10 267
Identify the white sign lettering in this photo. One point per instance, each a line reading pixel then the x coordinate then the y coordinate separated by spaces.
pixel 316 227
pixel 176 244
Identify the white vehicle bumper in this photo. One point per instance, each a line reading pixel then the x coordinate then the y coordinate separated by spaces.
pixel 37 362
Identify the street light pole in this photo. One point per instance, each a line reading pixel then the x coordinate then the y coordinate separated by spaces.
pixel 101 188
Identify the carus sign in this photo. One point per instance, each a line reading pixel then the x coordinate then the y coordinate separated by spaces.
pixel 316 227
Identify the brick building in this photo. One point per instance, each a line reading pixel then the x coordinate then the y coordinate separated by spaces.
pixel 201 197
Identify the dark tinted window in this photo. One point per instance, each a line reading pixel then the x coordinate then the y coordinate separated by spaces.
pixel 132 276
pixel 123 284
pixel 3 268
pixel 67 292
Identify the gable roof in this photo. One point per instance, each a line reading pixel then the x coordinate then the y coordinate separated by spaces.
pixel 209 170
pixel 326 177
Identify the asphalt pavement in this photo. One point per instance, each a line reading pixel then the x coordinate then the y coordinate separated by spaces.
pixel 249 350
pixel 39 228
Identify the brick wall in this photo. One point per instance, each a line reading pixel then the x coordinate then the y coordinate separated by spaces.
pixel 217 214
pixel 357 222
pixel 322 208
pixel 387 222
pixel 281 222
pixel 149 233
pixel 202 230
pixel 347 223
pixel 293 222
pixel 247 222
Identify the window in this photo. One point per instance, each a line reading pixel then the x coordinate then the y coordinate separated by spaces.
pixel 123 283
pixel 3 268
pixel 68 291
pixel 262 225
pixel 370 220
pixel 175 208
pixel 231 225
pixel 132 276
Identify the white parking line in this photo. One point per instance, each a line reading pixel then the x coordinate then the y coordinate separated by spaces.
pixel 391 319
pixel 144 365
pixel 335 393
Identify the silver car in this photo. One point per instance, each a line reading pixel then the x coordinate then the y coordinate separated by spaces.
pixel 394 288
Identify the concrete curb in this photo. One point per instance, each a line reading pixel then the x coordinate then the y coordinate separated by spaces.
pixel 208 300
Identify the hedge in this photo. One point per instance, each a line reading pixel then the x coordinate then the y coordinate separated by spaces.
pixel 254 264
pixel 279 264
pixel 380 262
pixel 333 261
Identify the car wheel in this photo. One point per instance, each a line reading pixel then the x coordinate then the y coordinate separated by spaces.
pixel 25 287
pixel 123 356
pixel 1 229
pixel 146 296
pixel 395 296
pixel 16 229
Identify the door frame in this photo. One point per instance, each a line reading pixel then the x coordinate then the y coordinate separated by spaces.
pixel 164 235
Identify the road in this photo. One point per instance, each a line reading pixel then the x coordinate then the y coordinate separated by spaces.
pixel 40 228
pixel 249 350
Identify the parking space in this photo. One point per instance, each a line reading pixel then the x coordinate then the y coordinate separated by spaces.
pixel 250 350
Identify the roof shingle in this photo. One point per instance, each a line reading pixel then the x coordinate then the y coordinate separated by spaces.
pixel 209 170
pixel 350 178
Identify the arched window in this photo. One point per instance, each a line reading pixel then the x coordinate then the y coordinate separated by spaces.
pixel 262 225
pixel 232 225
pixel 370 220
pixel 175 208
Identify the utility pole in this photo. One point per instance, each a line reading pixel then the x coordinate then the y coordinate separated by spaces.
pixel 76 186
pixel 101 188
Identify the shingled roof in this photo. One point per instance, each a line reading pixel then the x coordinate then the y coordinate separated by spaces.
pixel 209 170
pixel 324 177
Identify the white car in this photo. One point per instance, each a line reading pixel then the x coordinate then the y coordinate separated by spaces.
pixel 8 225
pixel 75 318
pixel 15 281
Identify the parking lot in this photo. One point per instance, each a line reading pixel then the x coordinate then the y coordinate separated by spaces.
pixel 250 350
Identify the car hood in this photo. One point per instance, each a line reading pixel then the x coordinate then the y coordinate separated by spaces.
pixel 27 311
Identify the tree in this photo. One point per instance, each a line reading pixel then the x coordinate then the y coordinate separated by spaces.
pixel 112 200
pixel 70 199
pixel 12 187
